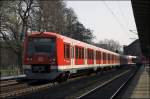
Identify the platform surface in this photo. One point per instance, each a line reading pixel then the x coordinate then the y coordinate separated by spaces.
pixel 139 88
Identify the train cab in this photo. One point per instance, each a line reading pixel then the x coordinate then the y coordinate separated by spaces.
pixel 40 53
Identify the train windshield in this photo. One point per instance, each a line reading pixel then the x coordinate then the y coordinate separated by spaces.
pixel 42 45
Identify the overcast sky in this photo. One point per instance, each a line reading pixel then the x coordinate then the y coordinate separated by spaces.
pixel 107 19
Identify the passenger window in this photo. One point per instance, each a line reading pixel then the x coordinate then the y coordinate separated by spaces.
pixel 104 56
pixel 76 49
pixel 88 54
pixel 66 51
pixel 97 55
pixel 82 53
pixel 92 54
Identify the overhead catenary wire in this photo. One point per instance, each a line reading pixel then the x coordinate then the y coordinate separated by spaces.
pixel 125 19
pixel 122 14
pixel 115 17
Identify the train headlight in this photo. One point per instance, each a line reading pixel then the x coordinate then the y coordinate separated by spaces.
pixel 52 60
pixel 29 59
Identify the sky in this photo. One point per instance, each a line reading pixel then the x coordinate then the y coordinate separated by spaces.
pixel 108 19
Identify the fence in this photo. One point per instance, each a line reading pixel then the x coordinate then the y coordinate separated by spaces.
pixel 8 61
pixel 9 71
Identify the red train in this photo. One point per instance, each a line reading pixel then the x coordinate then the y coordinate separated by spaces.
pixel 49 55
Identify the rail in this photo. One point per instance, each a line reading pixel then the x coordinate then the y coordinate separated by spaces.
pixel 103 84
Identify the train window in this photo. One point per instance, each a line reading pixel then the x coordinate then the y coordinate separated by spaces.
pixel 82 53
pixel 99 55
pixel 66 51
pixel 96 55
pixel 79 52
pixel 76 49
pixel 42 45
pixel 104 56
pixel 116 59
pixel 92 54
pixel 88 54
pixel 113 59
pixel 108 58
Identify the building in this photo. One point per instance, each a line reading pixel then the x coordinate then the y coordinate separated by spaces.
pixel 133 49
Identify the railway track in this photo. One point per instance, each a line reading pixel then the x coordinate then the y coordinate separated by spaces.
pixel 6 89
pixel 12 88
pixel 73 85
pixel 108 89
pixel 23 89
pixel 7 83
pixel 10 80
pixel 75 88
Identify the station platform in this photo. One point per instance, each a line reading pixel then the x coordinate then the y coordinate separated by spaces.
pixel 139 88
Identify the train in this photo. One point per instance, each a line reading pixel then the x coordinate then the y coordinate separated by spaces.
pixel 49 56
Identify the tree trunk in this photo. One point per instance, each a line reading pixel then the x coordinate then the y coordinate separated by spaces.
pixel 19 56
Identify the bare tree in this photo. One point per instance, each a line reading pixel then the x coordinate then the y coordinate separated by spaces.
pixel 51 15
pixel 14 24
pixel 111 45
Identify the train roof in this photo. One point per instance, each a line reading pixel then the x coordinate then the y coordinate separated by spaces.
pixel 70 40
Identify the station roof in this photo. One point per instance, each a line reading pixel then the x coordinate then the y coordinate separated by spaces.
pixel 141 10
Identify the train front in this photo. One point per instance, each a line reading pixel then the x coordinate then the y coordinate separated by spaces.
pixel 40 56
